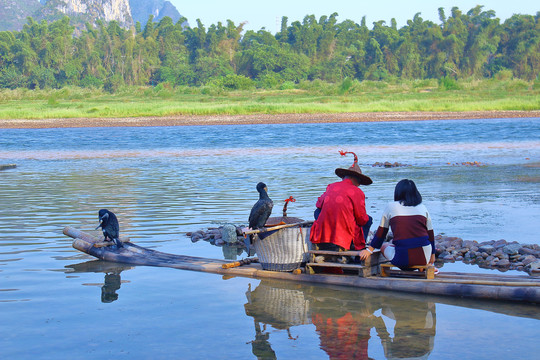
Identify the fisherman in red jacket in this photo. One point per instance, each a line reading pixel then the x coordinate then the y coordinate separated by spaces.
pixel 342 223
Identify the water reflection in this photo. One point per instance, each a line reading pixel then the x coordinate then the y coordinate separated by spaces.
pixel 414 329
pixel 280 305
pixel 343 320
pixel 347 321
pixel 261 347
pixel 112 280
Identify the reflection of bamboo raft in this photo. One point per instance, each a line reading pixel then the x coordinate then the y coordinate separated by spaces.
pixel 283 250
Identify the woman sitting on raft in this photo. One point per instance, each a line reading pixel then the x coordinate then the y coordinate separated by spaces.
pixel 414 241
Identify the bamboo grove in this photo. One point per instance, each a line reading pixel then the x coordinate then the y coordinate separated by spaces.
pixel 475 44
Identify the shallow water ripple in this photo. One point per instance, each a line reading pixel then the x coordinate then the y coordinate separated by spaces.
pixel 165 182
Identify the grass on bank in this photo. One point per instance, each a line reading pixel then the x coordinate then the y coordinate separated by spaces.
pixel 306 97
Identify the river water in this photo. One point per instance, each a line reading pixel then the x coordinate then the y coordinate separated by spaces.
pixel 163 182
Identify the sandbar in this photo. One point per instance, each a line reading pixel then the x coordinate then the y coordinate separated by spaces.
pixel 196 120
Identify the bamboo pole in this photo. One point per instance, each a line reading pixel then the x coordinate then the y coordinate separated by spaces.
pixel 239 263
pixel 277 227
pixel 475 282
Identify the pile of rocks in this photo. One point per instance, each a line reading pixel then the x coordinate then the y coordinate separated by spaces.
pixel 388 164
pixel 468 163
pixel 493 254
pixel 224 235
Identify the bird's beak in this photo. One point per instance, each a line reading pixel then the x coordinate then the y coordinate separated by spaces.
pixel 101 219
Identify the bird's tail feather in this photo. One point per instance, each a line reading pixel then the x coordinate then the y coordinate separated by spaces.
pixel 118 243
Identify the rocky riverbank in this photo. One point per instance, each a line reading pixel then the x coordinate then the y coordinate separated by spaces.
pixel 494 254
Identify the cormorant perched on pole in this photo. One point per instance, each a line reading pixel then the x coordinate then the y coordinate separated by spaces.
pixel 260 212
pixel 110 227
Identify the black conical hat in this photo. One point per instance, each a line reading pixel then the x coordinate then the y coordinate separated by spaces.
pixel 354 170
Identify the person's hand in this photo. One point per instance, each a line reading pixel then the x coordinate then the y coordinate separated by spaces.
pixel 364 254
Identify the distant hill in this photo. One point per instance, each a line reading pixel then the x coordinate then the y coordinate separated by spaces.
pixel 141 9
pixel 82 11
pixel 13 13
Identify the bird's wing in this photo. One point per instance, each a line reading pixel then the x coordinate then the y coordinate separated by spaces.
pixel 260 213
pixel 113 228
pixel 255 214
pixel 266 213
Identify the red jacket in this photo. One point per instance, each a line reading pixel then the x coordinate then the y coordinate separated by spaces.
pixel 343 212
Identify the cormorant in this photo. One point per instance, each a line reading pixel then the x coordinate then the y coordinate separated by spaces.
pixel 109 225
pixel 260 212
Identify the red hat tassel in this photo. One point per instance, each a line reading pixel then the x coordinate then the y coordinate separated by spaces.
pixel 290 199
pixel 343 153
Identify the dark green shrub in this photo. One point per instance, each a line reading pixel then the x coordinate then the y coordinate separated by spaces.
pixel 42 78
pixel 345 86
pixel 113 83
pixel 10 78
pixel 448 83
pixel 236 82
pixel 90 81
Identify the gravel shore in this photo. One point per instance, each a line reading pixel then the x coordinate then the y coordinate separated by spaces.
pixel 187 120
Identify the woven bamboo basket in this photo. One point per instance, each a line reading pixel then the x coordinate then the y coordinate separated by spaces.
pixel 283 250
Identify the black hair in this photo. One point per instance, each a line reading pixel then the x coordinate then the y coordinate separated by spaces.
pixel 407 193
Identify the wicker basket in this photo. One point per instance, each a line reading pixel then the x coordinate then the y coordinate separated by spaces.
pixel 284 250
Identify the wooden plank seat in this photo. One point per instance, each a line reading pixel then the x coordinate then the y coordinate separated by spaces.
pixel 425 271
pixel 344 260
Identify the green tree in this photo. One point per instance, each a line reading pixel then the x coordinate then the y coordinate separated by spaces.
pixel 519 47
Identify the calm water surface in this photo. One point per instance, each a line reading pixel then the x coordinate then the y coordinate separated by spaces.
pixel 165 181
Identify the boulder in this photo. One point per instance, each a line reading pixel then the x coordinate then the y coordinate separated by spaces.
pixel 503 263
pixel 534 266
pixel 470 244
pixel 524 250
pixel 529 259
pixel 499 243
pixel 196 236
pixel 228 234
pixel 486 249
pixel 449 258
pixel 511 249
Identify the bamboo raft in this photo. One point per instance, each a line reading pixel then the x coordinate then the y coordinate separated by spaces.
pixel 515 288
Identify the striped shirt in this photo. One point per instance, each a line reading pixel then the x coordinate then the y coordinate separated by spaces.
pixel 412 229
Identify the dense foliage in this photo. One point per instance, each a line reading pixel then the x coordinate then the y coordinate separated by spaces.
pixel 471 45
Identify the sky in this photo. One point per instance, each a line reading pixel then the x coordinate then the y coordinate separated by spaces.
pixel 268 14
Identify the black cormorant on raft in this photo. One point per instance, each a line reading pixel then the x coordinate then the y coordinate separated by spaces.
pixel 260 212
pixel 110 227
pixel 515 288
